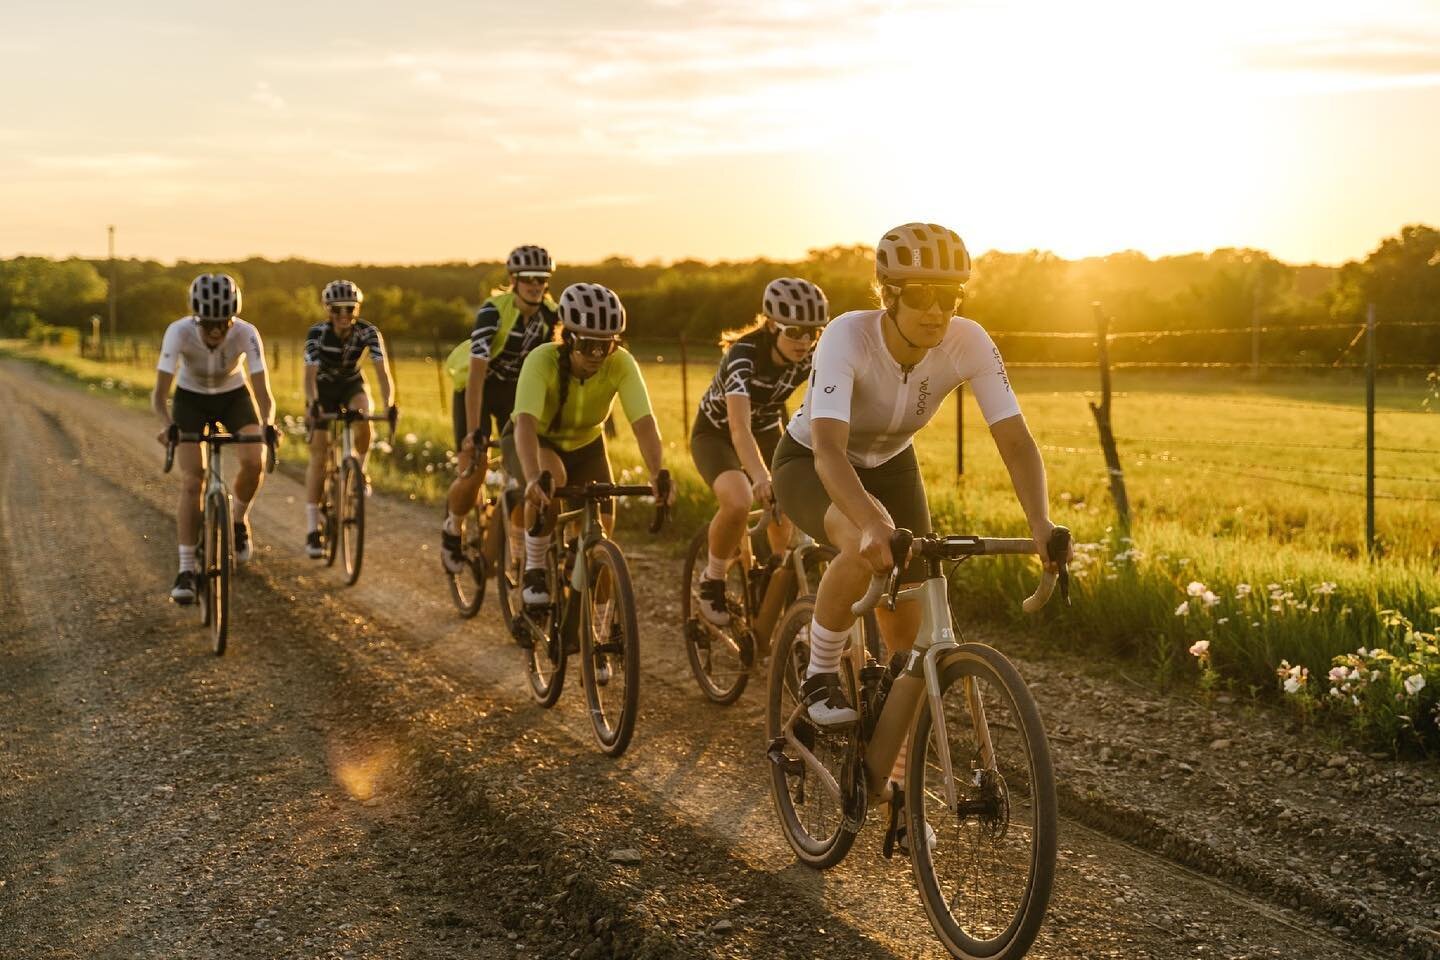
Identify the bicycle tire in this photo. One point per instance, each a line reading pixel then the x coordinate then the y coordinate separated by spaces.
pixel 546 659
pixel 352 519
pixel 508 574
pixel 330 513
pixel 220 562
pixel 722 674
pixel 467 588
pixel 612 717
pixel 787 665
pixel 1012 812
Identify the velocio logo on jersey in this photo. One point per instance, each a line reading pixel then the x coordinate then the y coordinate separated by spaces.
pixel 924 397
pixel 1000 362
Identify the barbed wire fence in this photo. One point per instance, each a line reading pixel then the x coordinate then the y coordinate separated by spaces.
pixel 702 353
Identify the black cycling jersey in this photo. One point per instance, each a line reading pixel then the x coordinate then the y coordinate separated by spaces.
pixel 525 335
pixel 340 359
pixel 749 369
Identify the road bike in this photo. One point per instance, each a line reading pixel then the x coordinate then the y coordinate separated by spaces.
pixel 483 529
pixel 591 610
pixel 342 497
pixel 977 808
pixel 758 589
pixel 215 553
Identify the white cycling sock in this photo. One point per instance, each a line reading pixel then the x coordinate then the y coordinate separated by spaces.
pixel 453 524
pixel 312 516
pixel 535 548
pixel 715 568
pixel 187 558
pixel 825 649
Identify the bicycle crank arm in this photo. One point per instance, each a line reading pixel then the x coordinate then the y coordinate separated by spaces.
pixel 811 763
pixel 716 634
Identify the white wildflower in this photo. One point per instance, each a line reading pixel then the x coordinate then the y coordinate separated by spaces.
pixel 1337 674
pixel 1200 648
pixel 1222 621
pixel 1242 590
pixel 411 439
pixel 1195 588
pixel 1414 684
pixel 1184 609
pixel 1209 598
pixel 1325 587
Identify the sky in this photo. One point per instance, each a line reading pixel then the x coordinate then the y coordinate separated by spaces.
pixel 719 129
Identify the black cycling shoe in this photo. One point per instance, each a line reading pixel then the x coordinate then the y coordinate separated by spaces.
pixel 314 546
pixel 452 552
pixel 243 551
pixel 825 701
pixel 713 605
pixel 535 587
pixel 185 588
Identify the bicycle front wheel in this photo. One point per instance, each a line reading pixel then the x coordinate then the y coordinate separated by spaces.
pixel 546 658
pixel 720 657
pixel 808 800
pixel 467 588
pixel 352 518
pixel 610 649
pixel 986 877
pixel 330 514
pixel 218 565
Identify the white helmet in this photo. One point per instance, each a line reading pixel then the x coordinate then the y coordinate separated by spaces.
pixel 530 259
pixel 795 302
pixel 342 291
pixel 592 310
pixel 926 252
pixel 214 296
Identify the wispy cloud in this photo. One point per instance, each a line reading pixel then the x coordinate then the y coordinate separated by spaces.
pixel 115 164
pixel 266 97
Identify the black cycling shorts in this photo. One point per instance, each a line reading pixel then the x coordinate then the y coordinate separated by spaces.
pixel 232 409
pixel 334 394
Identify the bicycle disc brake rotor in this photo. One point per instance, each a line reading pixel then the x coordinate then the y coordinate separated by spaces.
pixel 991 807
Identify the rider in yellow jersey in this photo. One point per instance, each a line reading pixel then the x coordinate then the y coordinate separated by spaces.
pixel 507 327
pixel 565 394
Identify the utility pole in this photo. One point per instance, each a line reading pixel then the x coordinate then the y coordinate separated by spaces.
pixel 111 230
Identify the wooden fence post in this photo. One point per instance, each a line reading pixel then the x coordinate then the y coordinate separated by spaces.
pixel 1102 421
pixel 684 382
pixel 1370 430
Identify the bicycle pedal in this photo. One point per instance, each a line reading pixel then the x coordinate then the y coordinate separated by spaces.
pixel 792 766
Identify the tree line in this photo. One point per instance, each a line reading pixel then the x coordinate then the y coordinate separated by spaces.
pixel 1009 292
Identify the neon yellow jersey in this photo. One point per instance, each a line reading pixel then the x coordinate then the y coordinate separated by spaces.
pixel 587 404
pixel 458 365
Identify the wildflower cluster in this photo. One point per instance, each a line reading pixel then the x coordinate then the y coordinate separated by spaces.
pixel 1388 693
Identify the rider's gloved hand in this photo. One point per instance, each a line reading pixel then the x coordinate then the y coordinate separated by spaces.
pixel 273 436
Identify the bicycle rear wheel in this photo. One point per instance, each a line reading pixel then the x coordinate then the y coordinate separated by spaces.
pixel 218 565
pixel 720 657
pixel 610 644
pixel 812 815
pixel 986 881
pixel 546 658
pixel 352 518
pixel 467 588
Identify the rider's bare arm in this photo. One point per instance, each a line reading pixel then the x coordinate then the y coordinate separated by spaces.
pixel 647 438
pixel 264 402
pixel 160 398
pixel 475 396
pixel 1027 475
pixel 737 406
pixel 846 492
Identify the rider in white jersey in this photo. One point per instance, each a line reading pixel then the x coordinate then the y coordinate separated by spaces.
pixel 211 352
pixel 846 471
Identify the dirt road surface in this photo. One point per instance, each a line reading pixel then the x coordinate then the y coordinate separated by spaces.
pixel 364 775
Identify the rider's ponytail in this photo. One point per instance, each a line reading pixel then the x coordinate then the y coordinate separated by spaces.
pixel 562 360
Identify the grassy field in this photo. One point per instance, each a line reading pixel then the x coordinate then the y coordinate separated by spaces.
pixel 1252 493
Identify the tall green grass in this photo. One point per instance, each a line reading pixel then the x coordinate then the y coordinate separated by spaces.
pixel 1206 461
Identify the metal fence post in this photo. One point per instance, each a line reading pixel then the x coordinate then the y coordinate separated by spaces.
pixel 960 431
pixel 1102 421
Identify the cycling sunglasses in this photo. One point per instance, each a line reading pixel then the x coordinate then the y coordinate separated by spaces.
pixel 797 332
pixel 920 296
pixel 595 348
pixel 343 309
pixel 536 278
pixel 212 324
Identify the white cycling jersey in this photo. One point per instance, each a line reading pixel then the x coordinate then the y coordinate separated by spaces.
pixel 856 379
pixel 203 370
